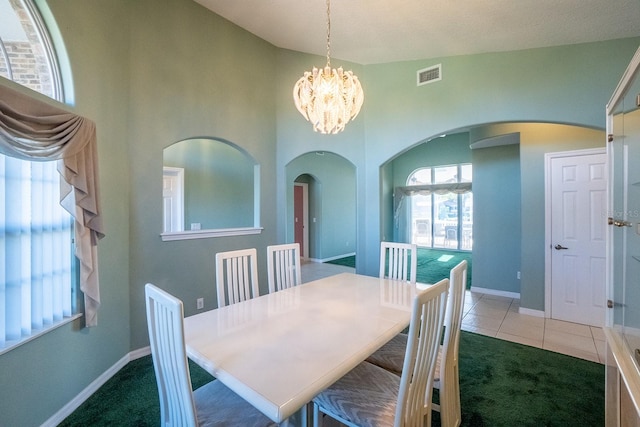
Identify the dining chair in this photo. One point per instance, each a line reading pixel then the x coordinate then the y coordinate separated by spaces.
pixel 283 266
pixel 211 404
pixel 398 261
pixel 446 378
pixel 369 395
pixel 236 276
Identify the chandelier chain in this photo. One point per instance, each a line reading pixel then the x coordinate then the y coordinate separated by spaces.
pixel 328 33
pixel 329 98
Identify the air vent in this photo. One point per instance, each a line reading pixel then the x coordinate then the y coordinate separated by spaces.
pixel 430 75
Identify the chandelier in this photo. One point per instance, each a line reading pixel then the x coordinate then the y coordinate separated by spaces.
pixel 328 97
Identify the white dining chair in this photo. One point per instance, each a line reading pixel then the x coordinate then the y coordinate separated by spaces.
pixel 211 404
pixel 398 261
pixel 236 276
pixel 283 266
pixel 447 377
pixel 369 395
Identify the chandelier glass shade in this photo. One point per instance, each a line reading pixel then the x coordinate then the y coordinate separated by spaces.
pixel 328 97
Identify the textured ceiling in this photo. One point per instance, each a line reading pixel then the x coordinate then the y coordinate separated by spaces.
pixel 379 31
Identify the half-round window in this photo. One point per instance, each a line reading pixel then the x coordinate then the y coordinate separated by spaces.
pixel 26 53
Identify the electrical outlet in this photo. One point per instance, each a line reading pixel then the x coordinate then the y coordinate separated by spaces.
pixel 518 275
pixel 200 303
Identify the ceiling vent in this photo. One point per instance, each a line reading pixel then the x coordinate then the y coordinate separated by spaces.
pixel 430 75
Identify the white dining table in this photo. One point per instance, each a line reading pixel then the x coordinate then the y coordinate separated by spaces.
pixel 279 350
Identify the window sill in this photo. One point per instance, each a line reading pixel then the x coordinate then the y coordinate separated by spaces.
pixel 10 345
pixel 204 234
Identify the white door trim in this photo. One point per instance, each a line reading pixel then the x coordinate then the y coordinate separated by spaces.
pixel 548 157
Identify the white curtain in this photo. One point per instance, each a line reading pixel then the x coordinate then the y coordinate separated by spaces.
pixel 35 130
pixel 402 204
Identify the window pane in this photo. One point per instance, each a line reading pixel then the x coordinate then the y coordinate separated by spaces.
pixel 26 56
pixel 446 174
pixel 466 172
pixel 467 222
pixel 36 255
pixel 445 225
pixel 441 220
pixel 421 233
pixel 35 241
pixel 420 177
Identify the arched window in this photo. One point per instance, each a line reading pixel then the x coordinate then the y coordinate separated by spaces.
pixel 440 207
pixel 26 52
pixel 36 266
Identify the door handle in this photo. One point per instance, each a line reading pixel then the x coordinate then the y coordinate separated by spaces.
pixel 559 247
pixel 618 222
pixel 612 304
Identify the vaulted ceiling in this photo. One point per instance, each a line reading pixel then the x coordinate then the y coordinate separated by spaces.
pixel 379 31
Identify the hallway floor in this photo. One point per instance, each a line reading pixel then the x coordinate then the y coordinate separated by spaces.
pixel 498 317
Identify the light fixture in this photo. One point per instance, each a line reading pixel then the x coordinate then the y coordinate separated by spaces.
pixel 328 97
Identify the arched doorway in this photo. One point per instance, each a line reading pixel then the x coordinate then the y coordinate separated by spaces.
pixel 330 183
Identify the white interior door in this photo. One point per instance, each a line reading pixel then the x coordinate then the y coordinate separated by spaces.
pixel 173 199
pixel 578 237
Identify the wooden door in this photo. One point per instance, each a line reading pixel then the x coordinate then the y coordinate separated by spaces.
pixel 300 228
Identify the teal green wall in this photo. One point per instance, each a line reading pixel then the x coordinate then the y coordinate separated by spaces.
pixel 535 141
pixel 41 376
pixel 193 73
pixel 445 150
pixel 149 73
pixel 332 202
pixel 448 150
pixel 496 218
pixel 218 183
pixel 295 138
pixel 152 72
pixel 475 90
pixel 504 241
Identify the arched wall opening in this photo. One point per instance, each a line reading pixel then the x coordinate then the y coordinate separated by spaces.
pixel 508 190
pixel 331 181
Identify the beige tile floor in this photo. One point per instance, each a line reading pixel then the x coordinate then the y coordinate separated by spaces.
pixel 498 317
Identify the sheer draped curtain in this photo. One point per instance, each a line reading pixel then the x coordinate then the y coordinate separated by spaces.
pixel 34 130
pixel 402 204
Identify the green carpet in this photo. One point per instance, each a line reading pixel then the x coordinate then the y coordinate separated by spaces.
pixel 502 384
pixel 129 398
pixel 433 265
pixel 508 384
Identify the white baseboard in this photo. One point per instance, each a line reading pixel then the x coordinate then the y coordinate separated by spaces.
pixel 514 295
pixel 332 258
pixel 531 312
pixel 75 403
pixel 141 352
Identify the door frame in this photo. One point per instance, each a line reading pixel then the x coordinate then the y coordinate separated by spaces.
pixel 177 202
pixel 305 217
pixel 548 157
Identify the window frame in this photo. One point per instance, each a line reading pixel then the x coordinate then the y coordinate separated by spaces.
pixel 459 201
pixel 47 50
